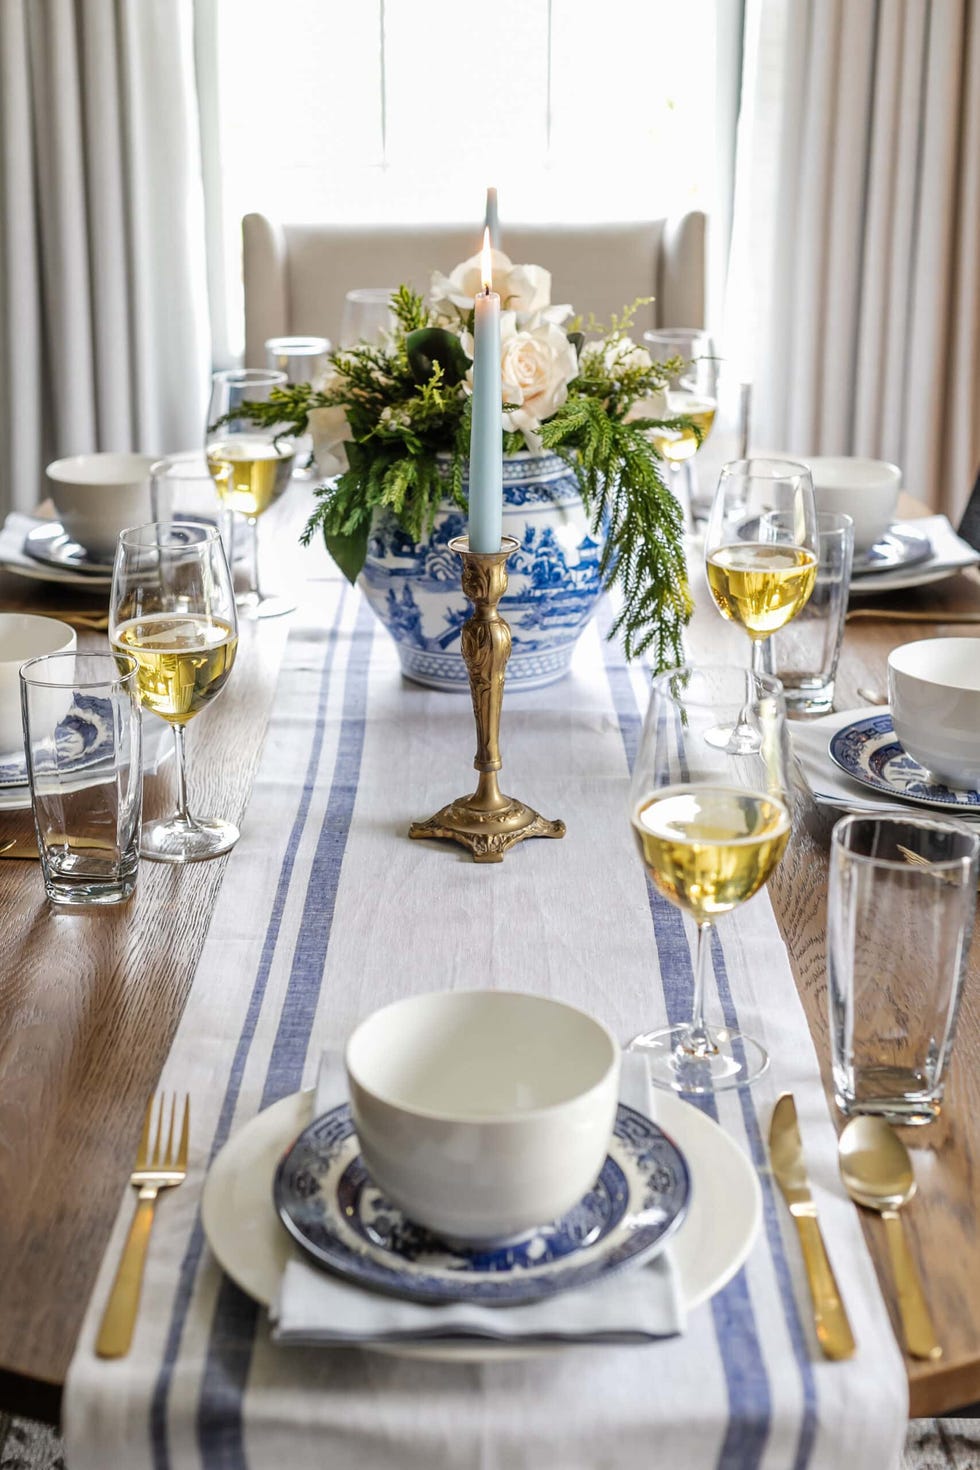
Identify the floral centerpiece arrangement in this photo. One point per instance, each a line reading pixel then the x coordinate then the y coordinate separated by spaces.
pixel 391 424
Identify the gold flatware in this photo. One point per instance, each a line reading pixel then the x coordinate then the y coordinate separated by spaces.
pixel 786 1154
pixel 163 1169
pixel 877 1173
pixel 909 615
pixel 18 850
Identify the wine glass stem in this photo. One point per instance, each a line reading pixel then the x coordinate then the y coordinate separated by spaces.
pixel 699 1043
pixel 254 531
pixel 759 660
pixel 182 815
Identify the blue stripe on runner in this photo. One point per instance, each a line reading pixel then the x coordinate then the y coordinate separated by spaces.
pixel 745 1437
pixel 220 1417
pixel 188 1271
pixel 743 1364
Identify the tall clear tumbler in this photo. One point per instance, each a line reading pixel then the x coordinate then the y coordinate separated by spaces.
pixel 900 916
pixel 804 654
pixel 83 742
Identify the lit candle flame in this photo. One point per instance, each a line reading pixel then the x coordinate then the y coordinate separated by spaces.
pixel 486 262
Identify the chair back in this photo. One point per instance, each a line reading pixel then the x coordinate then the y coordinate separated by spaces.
pixel 296 276
pixel 969 526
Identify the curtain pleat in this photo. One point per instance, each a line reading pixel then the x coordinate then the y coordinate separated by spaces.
pixel 104 334
pixel 854 257
pixel 961 438
pixel 21 352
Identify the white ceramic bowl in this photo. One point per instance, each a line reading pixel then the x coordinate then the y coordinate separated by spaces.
pixel 864 489
pixel 99 495
pixel 483 1113
pixel 24 636
pixel 934 693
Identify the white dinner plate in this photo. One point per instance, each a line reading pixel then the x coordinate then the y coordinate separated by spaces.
pixel 252 1246
pixel 39 571
pixel 920 576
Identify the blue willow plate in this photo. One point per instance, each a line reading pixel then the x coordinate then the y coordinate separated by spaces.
pixel 901 546
pixel 329 1205
pixel 84 738
pixel 869 752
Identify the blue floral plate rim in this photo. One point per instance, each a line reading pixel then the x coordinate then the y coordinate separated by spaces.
pixel 329 1205
pixel 869 752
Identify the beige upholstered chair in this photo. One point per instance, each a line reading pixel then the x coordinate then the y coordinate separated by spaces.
pixel 296 276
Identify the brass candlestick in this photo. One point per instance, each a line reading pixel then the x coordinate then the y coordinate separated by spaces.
pixel 488 822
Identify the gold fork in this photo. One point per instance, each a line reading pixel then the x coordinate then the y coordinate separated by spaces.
pixel 161 1170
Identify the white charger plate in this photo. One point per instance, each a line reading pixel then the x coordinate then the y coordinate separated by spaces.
pixel 251 1245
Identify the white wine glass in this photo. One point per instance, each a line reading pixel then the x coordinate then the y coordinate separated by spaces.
pixel 172 608
pixel 251 463
pixel 761 547
pixel 690 393
pixel 711 824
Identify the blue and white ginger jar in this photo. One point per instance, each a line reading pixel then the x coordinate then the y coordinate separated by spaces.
pixel 553 580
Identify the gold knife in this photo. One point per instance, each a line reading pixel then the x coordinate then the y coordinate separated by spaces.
pixel 786 1153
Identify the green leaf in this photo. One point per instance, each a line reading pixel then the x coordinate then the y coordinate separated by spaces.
pixel 430 345
pixel 349 551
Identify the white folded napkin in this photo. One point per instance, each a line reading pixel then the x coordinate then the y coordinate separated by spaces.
pixel 948 550
pixel 827 782
pixel 631 1307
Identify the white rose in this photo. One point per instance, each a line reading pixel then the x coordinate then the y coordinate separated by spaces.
pixel 527 288
pixel 330 431
pixel 537 363
pixel 522 288
pixel 465 281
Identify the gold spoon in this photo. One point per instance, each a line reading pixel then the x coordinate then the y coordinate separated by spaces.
pixel 877 1173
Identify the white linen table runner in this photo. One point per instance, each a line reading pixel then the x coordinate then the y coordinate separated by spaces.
pixel 328 911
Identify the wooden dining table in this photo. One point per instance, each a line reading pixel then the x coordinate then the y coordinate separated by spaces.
pixel 90 1001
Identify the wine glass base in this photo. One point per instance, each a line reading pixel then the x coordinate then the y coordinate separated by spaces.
pixel 172 841
pixel 734 1061
pixel 252 608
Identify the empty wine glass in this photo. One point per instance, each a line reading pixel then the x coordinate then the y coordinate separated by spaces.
pixel 368 316
pixel 172 608
pixel 250 463
pixel 711 824
pixel 303 360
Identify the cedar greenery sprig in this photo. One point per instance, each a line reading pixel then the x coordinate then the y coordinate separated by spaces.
pixel 407 408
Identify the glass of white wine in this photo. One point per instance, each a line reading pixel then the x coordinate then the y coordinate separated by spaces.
pixel 711 824
pixel 172 608
pixel 761 547
pixel 691 393
pixel 251 463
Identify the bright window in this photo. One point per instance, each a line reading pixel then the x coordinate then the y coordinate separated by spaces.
pixel 405 110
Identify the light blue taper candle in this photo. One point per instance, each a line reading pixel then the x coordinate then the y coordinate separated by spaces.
pixel 486 449
pixel 491 221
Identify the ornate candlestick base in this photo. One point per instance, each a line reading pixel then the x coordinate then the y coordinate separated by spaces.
pixel 488 822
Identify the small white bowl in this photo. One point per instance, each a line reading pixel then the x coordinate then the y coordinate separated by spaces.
pixel 934 693
pixel 864 489
pixel 24 636
pixel 99 495
pixel 483 1113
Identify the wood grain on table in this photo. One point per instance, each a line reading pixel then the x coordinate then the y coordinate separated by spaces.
pixel 89 1005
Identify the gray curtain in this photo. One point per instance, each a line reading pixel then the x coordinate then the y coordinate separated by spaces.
pixel 854 286
pixel 104 332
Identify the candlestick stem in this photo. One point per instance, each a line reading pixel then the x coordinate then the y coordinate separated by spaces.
pixel 488 822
